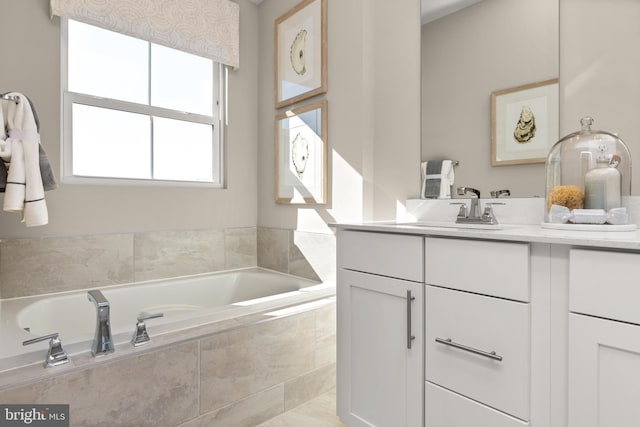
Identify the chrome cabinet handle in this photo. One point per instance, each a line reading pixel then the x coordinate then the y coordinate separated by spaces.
pixel 449 342
pixel 410 336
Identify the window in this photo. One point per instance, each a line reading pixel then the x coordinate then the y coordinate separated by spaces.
pixel 138 112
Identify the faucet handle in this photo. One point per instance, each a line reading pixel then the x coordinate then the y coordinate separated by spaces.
pixel 462 213
pixel 56 354
pixel 500 193
pixel 140 335
pixel 487 215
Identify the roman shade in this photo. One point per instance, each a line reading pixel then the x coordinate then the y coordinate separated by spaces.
pixel 209 28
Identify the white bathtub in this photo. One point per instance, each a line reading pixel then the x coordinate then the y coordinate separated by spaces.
pixel 185 302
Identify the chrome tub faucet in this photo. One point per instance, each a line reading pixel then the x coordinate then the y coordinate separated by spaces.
pixel 102 342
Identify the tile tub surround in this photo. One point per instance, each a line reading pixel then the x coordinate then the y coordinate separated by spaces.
pixel 56 264
pixel 241 375
pixel 305 254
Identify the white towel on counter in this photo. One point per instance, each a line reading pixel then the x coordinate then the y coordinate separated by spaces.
pixel 24 192
pixel 437 179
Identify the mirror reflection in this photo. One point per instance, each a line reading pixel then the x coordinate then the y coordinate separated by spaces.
pixel 475 49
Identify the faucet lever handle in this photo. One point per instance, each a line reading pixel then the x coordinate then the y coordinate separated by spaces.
pixel 140 334
pixel 500 193
pixel 488 214
pixel 56 354
pixel 144 317
pixel 462 213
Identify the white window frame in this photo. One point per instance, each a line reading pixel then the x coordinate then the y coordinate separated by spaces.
pixel 69 98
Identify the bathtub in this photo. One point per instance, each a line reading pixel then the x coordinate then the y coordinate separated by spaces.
pixel 186 302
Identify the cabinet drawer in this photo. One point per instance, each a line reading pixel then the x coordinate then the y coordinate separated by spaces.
pixel 445 408
pixel 486 324
pixel 605 284
pixel 385 254
pixel 492 268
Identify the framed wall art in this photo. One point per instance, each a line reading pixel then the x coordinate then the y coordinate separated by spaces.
pixel 524 123
pixel 301 155
pixel 301 52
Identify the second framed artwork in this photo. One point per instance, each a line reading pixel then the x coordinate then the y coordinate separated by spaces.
pixel 524 123
pixel 301 52
pixel 301 155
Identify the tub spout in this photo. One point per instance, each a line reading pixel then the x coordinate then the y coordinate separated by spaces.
pixel 102 342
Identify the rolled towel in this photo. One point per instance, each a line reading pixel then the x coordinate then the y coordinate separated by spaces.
pixel 437 179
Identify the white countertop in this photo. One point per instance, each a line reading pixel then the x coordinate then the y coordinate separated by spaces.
pixel 512 232
pixel 520 220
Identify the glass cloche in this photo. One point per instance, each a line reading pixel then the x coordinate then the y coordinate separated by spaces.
pixel 588 169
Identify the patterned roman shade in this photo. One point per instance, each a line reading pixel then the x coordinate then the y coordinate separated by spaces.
pixel 209 28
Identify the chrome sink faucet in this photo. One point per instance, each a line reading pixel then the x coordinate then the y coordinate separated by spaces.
pixel 474 208
pixel 102 342
pixel 474 216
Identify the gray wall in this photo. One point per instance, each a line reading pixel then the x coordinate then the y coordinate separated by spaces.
pixel 30 54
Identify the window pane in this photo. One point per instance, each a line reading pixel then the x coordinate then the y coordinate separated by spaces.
pixel 110 143
pixel 108 64
pixel 182 151
pixel 181 81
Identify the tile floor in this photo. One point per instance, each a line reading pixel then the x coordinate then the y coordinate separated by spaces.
pixel 318 412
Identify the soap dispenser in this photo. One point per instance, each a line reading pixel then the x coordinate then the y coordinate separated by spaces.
pixel 602 183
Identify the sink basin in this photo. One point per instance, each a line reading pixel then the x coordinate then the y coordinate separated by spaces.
pixel 447 224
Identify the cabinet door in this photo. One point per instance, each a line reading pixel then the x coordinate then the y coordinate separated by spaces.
pixel 604 373
pixel 380 379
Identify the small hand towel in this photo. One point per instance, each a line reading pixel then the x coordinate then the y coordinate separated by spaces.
pixel 437 179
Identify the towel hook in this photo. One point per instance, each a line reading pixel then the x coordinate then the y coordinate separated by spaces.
pixel 8 97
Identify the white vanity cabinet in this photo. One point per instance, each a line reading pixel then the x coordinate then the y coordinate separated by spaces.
pixel 604 339
pixel 380 335
pixel 477 333
pixel 524 329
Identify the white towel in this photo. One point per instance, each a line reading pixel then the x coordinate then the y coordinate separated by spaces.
pixel 24 192
pixel 437 185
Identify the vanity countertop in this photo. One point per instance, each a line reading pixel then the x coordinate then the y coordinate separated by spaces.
pixel 512 232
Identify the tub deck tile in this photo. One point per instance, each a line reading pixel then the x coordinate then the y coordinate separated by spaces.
pixel 242 362
pixel 123 393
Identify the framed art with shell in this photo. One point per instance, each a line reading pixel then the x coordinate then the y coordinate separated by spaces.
pixel 301 155
pixel 301 52
pixel 524 123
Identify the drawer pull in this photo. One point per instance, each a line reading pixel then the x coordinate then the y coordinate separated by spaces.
pixel 410 336
pixel 450 343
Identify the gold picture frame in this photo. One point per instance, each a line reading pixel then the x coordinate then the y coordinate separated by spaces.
pixel 301 155
pixel 301 53
pixel 524 123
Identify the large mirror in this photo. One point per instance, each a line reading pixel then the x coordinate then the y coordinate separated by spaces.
pixel 471 48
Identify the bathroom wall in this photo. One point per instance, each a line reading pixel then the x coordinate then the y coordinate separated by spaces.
pixel 489 46
pixel 31 64
pixel 373 105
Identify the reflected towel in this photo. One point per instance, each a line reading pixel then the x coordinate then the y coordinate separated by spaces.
pixel 437 179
